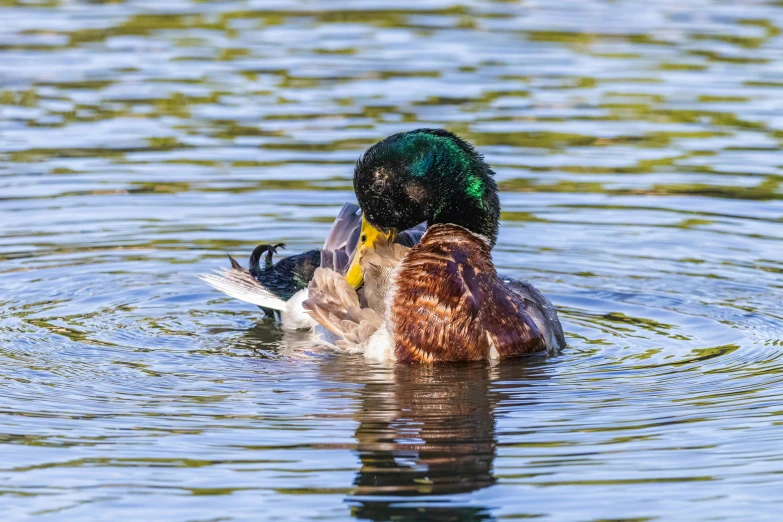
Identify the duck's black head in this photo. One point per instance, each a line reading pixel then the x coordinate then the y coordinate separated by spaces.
pixel 427 175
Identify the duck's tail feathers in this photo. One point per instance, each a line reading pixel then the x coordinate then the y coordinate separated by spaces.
pixel 239 284
pixel 255 258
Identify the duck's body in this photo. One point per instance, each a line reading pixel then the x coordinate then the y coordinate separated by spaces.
pixel 442 299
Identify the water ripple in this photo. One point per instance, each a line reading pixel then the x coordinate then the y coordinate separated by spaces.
pixel 636 145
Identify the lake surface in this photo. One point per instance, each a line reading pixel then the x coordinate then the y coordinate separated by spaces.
pixel 637 146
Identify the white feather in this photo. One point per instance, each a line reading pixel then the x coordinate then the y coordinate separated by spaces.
pixel 242 286
pixel 294 316
pixel 493 350
pixel 379 346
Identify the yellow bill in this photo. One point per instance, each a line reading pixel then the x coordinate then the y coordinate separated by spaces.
pixel 369 236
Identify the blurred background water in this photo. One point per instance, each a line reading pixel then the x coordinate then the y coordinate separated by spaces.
pixel 637 146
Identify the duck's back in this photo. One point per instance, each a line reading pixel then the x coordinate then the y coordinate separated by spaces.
pixel 449 305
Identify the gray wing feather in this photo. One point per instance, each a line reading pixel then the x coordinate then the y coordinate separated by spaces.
pixel 342 239
pixel 411 236
pixel 340 245
pixel 549 323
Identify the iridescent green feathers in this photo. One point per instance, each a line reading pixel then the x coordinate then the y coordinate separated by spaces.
pixel 427 175
pixel 428 147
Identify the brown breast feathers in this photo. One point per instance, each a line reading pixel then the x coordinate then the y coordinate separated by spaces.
pixel 449 304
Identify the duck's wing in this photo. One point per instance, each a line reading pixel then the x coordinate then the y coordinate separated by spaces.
pixel 540 310
pixel 343 238
pixel 334 304
pixel 449 304
pixel 340 244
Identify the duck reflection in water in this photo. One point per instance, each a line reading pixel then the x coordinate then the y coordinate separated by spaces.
pixel 427 433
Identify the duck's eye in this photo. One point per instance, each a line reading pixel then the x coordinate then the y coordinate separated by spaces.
pixel 364 238
pixel 379 185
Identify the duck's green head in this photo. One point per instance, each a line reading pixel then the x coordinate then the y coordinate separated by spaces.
pixel 427 175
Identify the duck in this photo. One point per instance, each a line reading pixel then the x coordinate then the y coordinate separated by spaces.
pixel 280 288
pixel 442 298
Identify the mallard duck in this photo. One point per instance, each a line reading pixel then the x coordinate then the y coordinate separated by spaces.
pixel 440 300
pixel 280 288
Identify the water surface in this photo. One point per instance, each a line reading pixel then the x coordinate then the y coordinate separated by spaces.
pixel 637 146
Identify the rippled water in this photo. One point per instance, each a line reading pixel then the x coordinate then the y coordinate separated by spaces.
pixel 637 145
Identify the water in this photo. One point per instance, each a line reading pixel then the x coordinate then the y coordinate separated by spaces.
pixel 637 145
